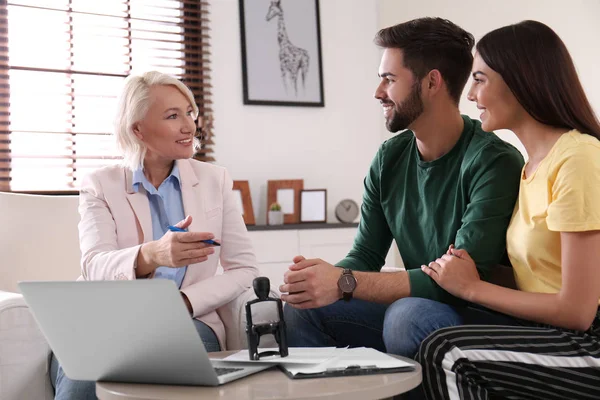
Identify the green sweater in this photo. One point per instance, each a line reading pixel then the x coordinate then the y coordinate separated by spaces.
pixel 466 197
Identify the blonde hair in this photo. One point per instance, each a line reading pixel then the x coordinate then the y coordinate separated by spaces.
pixel 133 106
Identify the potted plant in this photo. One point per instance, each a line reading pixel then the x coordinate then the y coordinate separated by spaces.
pixel 275 214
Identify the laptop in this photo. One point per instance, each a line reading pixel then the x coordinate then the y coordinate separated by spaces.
pixel 126 331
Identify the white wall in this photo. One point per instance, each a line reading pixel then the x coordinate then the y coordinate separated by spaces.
pixel 328 147
pixel 332 147
pixel 575 21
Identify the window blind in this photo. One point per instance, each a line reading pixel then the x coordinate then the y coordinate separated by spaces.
pixel 62 65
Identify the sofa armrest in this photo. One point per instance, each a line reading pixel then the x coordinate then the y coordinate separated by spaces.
pixel 503 275
pixel 24 352
pixel 233 315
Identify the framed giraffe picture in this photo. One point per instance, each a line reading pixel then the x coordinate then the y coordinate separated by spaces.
pixel 281 52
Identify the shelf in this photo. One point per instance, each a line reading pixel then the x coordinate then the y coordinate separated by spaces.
pixel 307 225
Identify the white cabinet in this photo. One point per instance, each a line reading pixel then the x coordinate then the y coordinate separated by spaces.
pixel 275 249
pixel 331 245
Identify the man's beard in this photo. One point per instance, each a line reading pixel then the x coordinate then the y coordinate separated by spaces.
pixel 407 112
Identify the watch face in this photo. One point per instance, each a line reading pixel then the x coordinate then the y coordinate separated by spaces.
pixel 347 283
pixel 346 211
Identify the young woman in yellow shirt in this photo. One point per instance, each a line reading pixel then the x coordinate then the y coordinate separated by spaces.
pixel 524 80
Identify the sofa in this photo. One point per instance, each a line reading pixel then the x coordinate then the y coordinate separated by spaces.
pixel 39 241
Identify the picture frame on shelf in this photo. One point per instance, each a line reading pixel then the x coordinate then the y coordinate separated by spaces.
pixel 287 193
pixel 241 190
pixel 313 205
pixel 281 53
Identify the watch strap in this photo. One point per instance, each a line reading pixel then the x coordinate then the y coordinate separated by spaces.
pixel 347 296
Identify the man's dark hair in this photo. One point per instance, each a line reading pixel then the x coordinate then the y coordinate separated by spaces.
pixel 433 43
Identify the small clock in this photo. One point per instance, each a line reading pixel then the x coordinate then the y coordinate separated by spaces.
pixel 346 211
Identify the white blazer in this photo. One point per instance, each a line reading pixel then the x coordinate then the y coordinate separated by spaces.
pixel 115 221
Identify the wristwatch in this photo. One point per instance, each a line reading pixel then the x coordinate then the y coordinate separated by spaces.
pixel 347 284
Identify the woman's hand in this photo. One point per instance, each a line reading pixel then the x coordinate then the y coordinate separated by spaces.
pixel 174 249
pixel 455 271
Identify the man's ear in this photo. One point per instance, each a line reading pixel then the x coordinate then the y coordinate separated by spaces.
pixel 137 131
pixel 434 81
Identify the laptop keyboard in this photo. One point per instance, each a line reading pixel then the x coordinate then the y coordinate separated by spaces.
pixel 223 371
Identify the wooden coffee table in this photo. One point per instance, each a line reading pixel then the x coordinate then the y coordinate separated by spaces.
pixel 272 384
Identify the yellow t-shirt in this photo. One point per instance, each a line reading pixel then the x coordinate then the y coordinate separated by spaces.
pixel 562 195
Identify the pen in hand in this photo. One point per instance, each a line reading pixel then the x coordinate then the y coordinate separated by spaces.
pixel 207 241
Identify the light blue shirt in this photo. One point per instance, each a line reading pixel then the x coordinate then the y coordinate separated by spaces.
pixel 166 208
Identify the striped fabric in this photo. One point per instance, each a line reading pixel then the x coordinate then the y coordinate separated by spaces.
pixel 511 362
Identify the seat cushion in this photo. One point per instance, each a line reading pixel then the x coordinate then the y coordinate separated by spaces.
pixel 23 353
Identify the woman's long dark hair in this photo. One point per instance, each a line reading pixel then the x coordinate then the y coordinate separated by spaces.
pixel 537 67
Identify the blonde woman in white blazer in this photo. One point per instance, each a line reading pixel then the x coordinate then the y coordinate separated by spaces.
pixel 126 211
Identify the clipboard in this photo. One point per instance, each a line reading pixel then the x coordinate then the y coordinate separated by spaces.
pixel 325 362
pixel 351 370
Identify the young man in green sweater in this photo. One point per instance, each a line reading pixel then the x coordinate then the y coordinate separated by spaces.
pixel 442 182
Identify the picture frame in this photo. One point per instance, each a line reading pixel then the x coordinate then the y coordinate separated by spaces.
pixel 278 72
pixel 287 194
pixel 241 190
pixel 313 205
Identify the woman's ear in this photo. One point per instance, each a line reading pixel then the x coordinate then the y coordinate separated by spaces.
pixel 137 130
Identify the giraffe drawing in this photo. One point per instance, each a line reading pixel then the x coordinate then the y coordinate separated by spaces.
pixel 293 61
